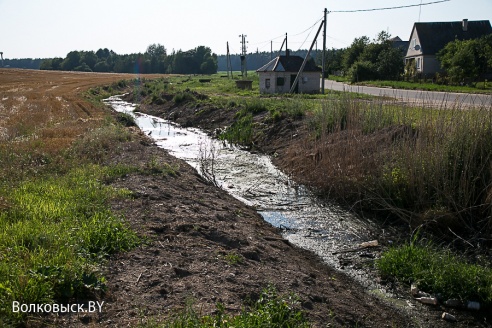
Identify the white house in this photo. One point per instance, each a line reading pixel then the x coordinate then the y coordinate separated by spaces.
pixel 279 75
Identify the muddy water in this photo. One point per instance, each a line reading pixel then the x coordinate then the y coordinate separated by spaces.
pixel 322 228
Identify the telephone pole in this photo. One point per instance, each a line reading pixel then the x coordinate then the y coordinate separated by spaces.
pixel 323 59
pixel 228 59
pixel 244 69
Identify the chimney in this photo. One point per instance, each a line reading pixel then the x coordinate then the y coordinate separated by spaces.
pixel 465 25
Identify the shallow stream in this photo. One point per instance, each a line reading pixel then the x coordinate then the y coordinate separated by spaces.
pixel 327 230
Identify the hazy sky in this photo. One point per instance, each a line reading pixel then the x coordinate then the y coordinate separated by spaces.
pixel 52 28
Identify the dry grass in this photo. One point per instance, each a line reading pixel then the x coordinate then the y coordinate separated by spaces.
pixel 43 112
pixel 425 165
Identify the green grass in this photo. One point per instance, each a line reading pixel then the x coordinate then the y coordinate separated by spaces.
pixel 438 271
pixel 54 235
pixel 270 310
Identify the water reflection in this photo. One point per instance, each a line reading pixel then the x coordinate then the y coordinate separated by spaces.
pixel 252 178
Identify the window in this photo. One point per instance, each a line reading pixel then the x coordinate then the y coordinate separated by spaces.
pixel 418 63
pixel 414 43
pixel 280 81
pixel 267 83
pixel 304 80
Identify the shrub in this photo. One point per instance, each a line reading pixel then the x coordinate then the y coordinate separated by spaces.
pixel 362 71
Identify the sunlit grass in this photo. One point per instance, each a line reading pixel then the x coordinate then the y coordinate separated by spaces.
pixel 438 272
pixel 54 234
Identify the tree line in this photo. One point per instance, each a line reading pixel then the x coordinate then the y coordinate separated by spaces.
pixel 364 59
pixel 26 63
pixel 200 60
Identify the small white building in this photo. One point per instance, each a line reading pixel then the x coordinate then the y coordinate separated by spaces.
pixel 279 75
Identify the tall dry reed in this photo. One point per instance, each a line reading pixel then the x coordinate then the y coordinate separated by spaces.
pixel 423 164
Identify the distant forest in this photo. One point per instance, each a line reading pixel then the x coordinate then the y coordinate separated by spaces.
pixel 156 60
pixel 26 63
pixel 200 60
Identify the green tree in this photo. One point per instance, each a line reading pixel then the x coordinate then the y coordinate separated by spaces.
pixel 157 55
pixel 83 68
pixel 46 64
pixel 71 61
pixel 390 63
pixel 89 58
pixel 466 61
pixel 378 59
pixel 352 53
pixel 101 66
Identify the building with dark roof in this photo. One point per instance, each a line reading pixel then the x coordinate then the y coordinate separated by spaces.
pixel 427 39
pixel 399 44
pixel 279 74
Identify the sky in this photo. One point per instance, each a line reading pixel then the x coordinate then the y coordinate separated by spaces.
pixel 52 28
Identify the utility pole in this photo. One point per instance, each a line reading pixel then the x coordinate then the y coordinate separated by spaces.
pixel 282 46
pixel 271 49
pixel 323 60
pixel 228 59
pixel 286 48
pixel 305 60
pixel 244 70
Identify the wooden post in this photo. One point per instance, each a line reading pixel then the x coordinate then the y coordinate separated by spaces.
pixel 305 59
pixel 323 70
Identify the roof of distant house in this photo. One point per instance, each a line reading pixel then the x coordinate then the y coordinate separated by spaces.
pixel 288 64
pixel 434 36
pixel 396 42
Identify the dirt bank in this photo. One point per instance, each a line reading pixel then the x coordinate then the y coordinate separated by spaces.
pixel 279 140
pixel 193 231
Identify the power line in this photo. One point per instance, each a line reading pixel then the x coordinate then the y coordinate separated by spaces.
pixel 309 28
pixel 312 27
pixel 387 8
pixel 283 35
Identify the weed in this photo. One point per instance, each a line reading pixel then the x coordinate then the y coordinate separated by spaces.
pixel 156 167
pixel 233 258
pixel 438 272
pixel 55 233
pixel 96 144
pixel 270 310
pixel 182 97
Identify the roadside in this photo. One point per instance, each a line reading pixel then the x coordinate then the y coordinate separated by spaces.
pixel 416 97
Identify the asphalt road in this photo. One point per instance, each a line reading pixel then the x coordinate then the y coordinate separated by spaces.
pixel 440 99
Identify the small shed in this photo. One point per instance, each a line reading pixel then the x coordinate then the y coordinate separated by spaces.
pixel 279 75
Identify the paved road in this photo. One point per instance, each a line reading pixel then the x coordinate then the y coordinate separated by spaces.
pixel 440 99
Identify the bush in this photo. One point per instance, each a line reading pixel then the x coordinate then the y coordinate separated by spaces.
pixel 182 97
pixel 362 71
